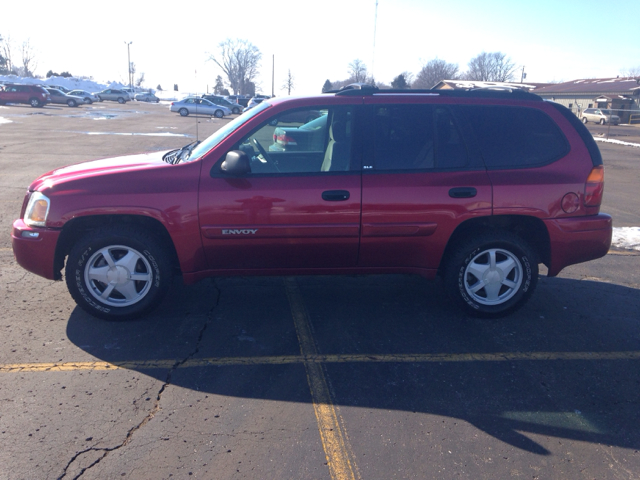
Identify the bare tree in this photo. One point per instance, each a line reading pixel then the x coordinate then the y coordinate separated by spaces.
pixel 29 63
pixel 288 83
pixel 435 71
pixel 358 70
pixel 240 61
pixel 140 80
pixel 490 67
pixel 631 72
pixel 6 49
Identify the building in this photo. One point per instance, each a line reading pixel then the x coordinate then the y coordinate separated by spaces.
pixel 622 95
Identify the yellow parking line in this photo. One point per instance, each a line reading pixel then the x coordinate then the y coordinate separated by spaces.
pixel 334 438
pixel 319 359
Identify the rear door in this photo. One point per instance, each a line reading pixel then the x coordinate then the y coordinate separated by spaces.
pixel 420 180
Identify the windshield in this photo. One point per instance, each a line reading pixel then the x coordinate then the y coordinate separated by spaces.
pixel 226 130
pixel 606 112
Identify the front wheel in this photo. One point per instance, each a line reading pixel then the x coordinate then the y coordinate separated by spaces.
pixel 118 273
pixel 492 275
pixel 602 121
pixel 72 103
pixel 236 111
pixel 218 114
pixel 34 102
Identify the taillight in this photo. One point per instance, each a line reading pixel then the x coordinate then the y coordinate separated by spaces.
pixel 284 139
pixel 594 188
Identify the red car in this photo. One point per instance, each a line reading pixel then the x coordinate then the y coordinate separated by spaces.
pixel 478 187
pixel 33 95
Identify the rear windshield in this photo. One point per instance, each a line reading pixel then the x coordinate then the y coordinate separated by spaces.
pixel 515 137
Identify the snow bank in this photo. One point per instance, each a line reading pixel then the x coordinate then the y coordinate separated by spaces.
pixel 626 237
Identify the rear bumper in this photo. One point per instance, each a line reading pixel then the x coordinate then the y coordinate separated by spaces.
pixel 578 239
pixel 35 253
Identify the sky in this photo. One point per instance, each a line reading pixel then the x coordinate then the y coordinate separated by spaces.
pixel 172 42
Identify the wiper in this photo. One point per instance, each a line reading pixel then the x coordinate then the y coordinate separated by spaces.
pixel 175 156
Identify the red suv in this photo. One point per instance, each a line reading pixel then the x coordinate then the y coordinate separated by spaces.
pixel 478 187
pixel 33 95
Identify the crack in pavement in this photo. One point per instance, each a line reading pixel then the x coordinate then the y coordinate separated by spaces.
pixel 156 408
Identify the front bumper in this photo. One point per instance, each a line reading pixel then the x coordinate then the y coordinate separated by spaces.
pixel 35 249
pixel 578 239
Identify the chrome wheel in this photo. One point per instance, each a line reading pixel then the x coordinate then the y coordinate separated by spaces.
pixel 493 276
pixel 218 114
pixel 118 276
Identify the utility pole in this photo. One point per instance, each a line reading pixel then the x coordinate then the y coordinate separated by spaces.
pixel 129 62
pixel 273 69
pixel 524 75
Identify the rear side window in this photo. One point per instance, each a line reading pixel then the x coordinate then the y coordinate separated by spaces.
pixel 417 137
pixel 516 137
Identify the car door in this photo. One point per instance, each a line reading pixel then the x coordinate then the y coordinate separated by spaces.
pixel 420 180
pixel 295 209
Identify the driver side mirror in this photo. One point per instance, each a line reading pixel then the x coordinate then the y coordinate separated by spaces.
pixel 236 163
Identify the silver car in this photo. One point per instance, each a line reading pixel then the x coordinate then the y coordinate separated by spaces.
pixel 113 94
pixel 193 105
pixel 146 97
pixel 600 115
pixel 63 98
pixel 86 96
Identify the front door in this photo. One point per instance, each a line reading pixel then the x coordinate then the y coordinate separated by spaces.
pixel 299 207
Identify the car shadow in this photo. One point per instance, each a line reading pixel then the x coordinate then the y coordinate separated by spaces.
pixel 566 365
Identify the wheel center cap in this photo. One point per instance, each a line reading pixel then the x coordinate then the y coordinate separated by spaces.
pixel 493 277
pixel 118 275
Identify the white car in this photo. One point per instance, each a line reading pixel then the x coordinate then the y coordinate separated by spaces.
pixel 194 105
pixel 86 96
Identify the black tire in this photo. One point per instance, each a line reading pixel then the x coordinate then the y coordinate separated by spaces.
pixel 183 112
pixel 235 110
pixel 584 120
pixel 218 114
pixel 508 267
pixel 88 101
pixel 72 103
pixel 112 254
pixel 602 121
pixel 101 99
pixel 121 100
pixel 34 102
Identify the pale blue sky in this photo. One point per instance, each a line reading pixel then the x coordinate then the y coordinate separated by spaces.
pixel 557 40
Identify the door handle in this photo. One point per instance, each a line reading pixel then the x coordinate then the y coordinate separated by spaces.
pixel 463 192
pixel 336 195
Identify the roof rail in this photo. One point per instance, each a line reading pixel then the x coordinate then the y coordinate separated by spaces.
pixel 356 89
pixel 478 92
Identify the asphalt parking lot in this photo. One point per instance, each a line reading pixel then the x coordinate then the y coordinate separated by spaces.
pixel 325 377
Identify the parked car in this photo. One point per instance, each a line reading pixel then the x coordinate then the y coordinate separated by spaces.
pixel 113 94
pixel 33 95
pixel 600 115
pixel 130 91
pixel 86 96
pixel 218 100
pixel 478 187
pixel 198 106
pixel 146 97
pixel 255 101
pixel 64 99
pixel 239 99
pixel 58 87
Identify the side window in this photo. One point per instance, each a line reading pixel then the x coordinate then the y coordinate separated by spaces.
pixel 417 137
pixel 309 140
pixel 516 137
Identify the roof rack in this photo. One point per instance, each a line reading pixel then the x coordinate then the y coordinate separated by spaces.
pixel 472 91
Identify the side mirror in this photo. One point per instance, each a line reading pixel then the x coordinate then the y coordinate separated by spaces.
pixel 236 163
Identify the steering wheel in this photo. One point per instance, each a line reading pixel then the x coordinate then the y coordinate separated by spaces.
pixel 264 154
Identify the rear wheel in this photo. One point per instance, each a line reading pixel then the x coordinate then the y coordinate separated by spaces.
pixel 492 275
pixel 72 103
pixel 584 120
pixel 121 100
pixel 88 101
pixel 602 121
pixel 184 112
pixel 34 102
pixel 118 273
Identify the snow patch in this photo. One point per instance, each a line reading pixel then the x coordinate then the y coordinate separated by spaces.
pixel 4 120
pixel 626 237
pixel 617 142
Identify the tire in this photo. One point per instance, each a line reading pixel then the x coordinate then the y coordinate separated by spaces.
pixel 584 120
pixel 34 102
pixel 492 275
pixel 88 101
pixel 602 121
pixel 72 103
pixel 183 112
pixel 121 100
pixel 101 99
pixel 218 114
pixel 99 268
pixel 235 111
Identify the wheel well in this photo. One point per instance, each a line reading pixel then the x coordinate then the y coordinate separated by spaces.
pixel 76 228
pixel 532 230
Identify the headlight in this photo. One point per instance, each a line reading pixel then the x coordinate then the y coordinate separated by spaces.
pixel 37 210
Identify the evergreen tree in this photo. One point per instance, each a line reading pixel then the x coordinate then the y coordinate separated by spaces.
pixel 327 86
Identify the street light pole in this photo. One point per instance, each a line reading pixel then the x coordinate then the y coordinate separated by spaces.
pixel 129 62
